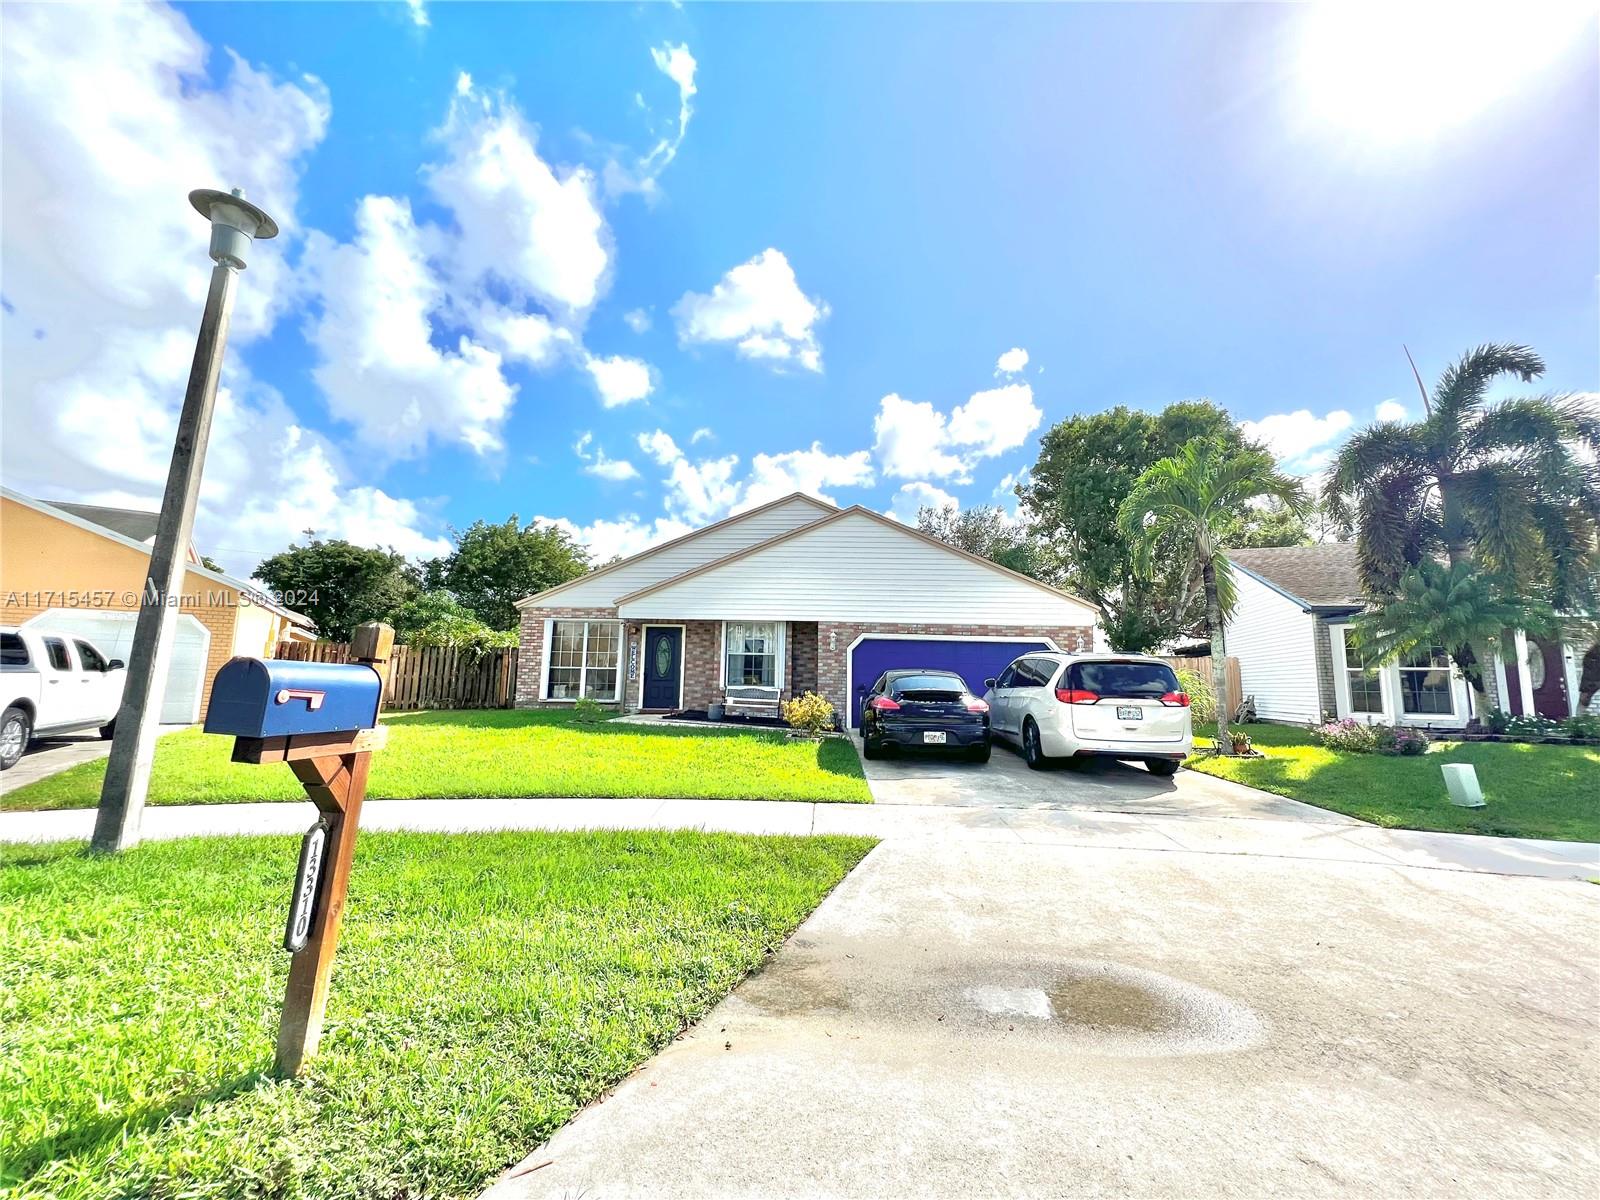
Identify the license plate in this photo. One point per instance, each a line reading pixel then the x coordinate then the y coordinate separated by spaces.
pixel 1129 712
pixel 933 739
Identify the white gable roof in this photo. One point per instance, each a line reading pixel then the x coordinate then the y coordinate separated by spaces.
pixel 857 566
pixel 602 587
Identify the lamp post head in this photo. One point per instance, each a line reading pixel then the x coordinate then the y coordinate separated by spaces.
pixel 235 223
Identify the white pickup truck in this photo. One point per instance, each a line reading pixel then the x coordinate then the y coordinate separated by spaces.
pixel 54 683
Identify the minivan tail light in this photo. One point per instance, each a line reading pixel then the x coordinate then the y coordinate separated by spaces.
pixel 1076 696
pixel 883 704
pixel 1180 699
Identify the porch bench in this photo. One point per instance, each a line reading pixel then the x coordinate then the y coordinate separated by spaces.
pixel 752 701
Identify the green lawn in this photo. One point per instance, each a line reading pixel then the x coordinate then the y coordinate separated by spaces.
pixel 1531 790
pixel 487 986
pixel 502 752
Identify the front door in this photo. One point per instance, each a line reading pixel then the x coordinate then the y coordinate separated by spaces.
pixel 663 666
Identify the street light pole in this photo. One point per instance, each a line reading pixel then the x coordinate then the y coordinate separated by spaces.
pixel 235 222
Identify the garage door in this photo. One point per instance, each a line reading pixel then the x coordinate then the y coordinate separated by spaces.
pixel 973 660
pixel 113 633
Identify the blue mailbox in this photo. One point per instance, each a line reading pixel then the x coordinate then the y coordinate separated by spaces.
pixel 275 697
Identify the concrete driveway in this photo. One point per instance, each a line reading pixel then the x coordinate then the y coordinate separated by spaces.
pixel 1104 785
pixel 48 756
pixel 970 1018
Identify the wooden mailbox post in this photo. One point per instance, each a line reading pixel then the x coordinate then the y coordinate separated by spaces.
pixel 332 767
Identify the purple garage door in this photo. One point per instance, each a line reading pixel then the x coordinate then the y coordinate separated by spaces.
pixel 973 661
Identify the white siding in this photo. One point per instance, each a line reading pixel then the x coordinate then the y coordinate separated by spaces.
pixel 696 550
pixel 858 568
pixel 1272 637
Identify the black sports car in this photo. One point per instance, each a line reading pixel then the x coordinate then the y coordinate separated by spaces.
pixel 924 710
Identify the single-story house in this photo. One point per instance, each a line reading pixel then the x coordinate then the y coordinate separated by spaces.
pixel 794 596
pixel 1289 632
pixel 79 569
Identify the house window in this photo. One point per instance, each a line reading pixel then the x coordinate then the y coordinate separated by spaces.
pixel 1425 682
pixel 1366 693
pixel 752 654
pixel 583 660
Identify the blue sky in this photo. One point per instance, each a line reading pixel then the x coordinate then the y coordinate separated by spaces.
pixel 1155 202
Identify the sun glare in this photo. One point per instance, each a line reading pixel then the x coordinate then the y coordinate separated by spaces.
pixel 1407 72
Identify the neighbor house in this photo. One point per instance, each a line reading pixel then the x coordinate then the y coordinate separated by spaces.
pixel 79 569
pixel 1290 632
pixel 794 596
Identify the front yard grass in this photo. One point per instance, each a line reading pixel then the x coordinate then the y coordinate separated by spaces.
pixel 503 752
pixel 487 986
pixel 1536 791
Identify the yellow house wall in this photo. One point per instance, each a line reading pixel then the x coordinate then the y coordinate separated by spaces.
pixel 47 563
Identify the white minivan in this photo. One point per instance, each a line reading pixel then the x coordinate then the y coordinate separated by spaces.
pixel 1127 706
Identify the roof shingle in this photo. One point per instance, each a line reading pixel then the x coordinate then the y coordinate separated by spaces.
pixel 1317 575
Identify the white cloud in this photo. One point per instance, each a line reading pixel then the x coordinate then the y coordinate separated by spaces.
pixel 809 471
pixel 995 421
pixel 1012 361
pixel 598 465
pixel 619 380
pixel 379 367
pixel 706 490
pixel 621 538
pixel 913 439
pixel 1299 440
pixel 99 329
pixel 534 228
pixel 910 438
pixel 637 319
pixel 419 13
pixel 678 65
pixel 914 496
pixel 1392 410
pixel 700 435
pixel 758 306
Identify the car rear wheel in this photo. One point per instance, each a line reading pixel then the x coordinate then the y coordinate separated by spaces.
pixel 1162 766
pixel 870 748
pixel 14 730
pixel 109 729
pixel 1032 748
pixel 979 754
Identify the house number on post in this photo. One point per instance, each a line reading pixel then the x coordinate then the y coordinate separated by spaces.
pixel 302 904
pixel 633 659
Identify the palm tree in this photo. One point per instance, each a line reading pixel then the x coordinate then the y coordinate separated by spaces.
pixel 1456 607
pixel 1194 495
pixel 1505 484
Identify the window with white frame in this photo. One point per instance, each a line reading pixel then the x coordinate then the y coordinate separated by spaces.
pixel 752 649
pixel 1425 682
pixel 583 660
pixel 1366 690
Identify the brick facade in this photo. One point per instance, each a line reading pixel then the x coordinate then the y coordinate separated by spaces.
pixel 818 653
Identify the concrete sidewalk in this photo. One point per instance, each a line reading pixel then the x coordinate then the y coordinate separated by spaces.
pixel 1329 838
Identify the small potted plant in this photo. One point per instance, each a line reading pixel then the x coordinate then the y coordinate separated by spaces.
pixel 1241 742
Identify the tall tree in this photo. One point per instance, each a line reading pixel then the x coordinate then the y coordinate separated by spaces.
pixel 1512 485
pixel 1184 505
pixel 337 584
pixel 1086 469
pixel 495 565
pixel 984 530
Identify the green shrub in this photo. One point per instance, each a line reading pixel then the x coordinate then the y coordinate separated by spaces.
pixel 810 714
pixel 1584 725
pixel 1202 699
pixel 587 711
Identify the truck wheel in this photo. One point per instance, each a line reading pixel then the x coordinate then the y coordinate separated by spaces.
pixel 109 729
pixel 1162 766
pixel 14 730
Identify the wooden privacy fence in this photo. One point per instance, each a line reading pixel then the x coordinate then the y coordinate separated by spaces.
pixel 1202 666
pixel 430 676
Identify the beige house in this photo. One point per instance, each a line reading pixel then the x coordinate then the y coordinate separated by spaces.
pixel 79 569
